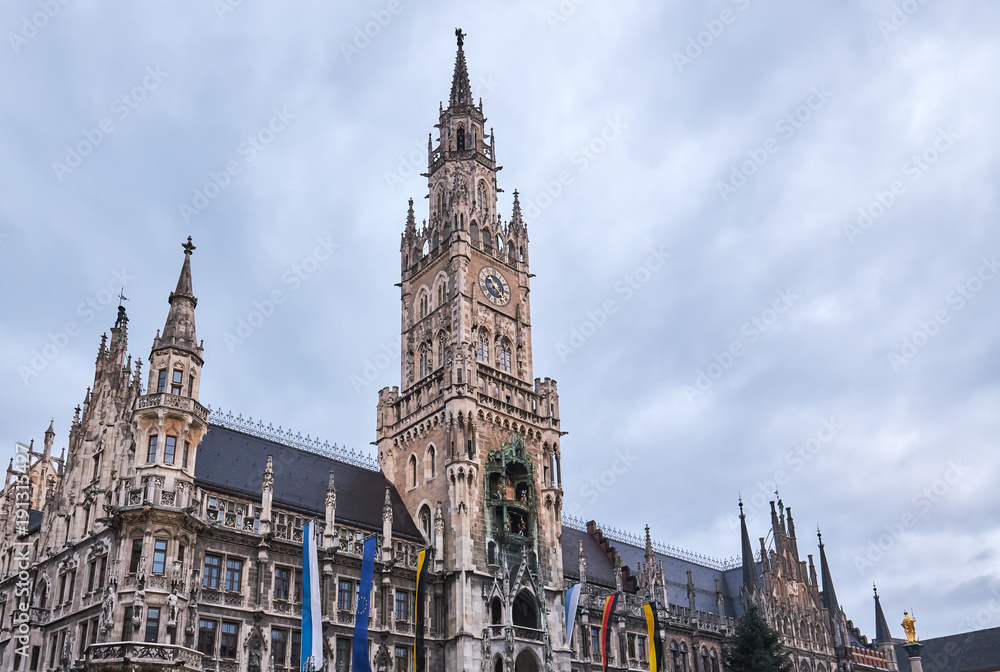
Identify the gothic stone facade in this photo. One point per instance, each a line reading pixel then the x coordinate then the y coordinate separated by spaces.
pixel 172 537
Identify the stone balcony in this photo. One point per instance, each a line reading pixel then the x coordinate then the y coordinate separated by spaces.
pixel 176 401
pixel 141 657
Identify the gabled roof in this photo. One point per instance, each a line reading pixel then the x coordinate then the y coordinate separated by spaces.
pixel 234 462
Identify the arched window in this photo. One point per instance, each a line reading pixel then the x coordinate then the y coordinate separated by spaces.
pixel 425 360
pixel 498 664
pixel 684 658
pixel 482 203
pixel 422 310
pixel 431 466
pixel 442 292
pixel 447 229
pixel 426 248
pixel 461 139
pixel 425 521
pixel 704 659
pixel 474 231
pixel 675 657
pixel 510 249
pixel 520 254
pixel 413 471
pixel 503 355
pixel 714 660
pixel 43 594
pixel 487 240
pixel 491 553
pixel 437 241
pixel 500 245
pixel 440 200
pixel 483 348
pixel 441 349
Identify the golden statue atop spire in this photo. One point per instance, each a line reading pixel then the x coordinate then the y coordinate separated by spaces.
pixel 908 627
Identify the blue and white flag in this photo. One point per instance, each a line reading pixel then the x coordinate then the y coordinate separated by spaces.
pixel 312 618
pixel 572 601
pixel 359 657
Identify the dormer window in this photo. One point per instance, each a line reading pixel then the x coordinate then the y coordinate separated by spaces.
pixel 161 382
pixel 175 383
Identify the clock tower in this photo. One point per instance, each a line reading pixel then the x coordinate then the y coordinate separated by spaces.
pixel 471 439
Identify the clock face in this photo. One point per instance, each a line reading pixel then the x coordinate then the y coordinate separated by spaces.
pixel 494 286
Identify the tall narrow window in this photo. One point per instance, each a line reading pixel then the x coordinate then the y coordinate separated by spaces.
pixel 442 293
pixel 345 595
pixel 423 306
pixel 152 624
pixel 190 384
pixel 184 456
pixel 431 467
pixel 213 566
pixel 278 643
pixel 280 583
pixel 297 650
pixel 482 204
pixel 159 556
pixel 413 471
pixel 227 645
pixel 133 564
pixel 402 605
pixel 343 662
pixel 441 351
pixel 97 466
pixel 504 356
pixel 425 356
pixel 175 383
pixel 169 448
pixel 206 637
pixel 483 347
pixel 461 139
pixel 161 381
pixel 234 574
pixel 127 625
pixel 151 453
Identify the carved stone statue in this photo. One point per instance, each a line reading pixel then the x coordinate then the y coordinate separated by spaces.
pixel 253 660
pixel 909 628
pixel 172 608
pixel 382 659
pixel 108 609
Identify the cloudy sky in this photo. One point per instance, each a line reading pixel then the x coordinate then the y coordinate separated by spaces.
pixel 765 244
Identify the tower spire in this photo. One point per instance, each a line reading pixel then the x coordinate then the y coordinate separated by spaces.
pixel 882 634
pixel 461 91
pixel 830 602
pixel 178 331
pixel 749 566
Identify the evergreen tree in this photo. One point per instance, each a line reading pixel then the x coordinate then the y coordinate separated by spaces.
pixel 756 647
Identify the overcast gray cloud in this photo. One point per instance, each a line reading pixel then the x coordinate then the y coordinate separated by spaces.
pixel 791 210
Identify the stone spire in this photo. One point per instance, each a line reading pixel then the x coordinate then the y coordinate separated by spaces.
pixel 830 602
pixel 50 435
pixel 882 634
pixel 749 566
pixel 387 527
pixel 330 535
pixel 461 91
pixel 516 220
pixel 411 222
pixel 178 331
